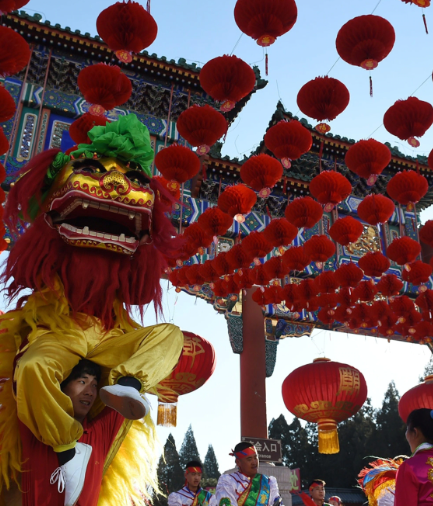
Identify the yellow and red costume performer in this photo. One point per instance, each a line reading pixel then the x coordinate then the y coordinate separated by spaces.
pixel 94 248
pixel 378 481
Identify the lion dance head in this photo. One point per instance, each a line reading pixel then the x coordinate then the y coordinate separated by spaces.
pixel 94 220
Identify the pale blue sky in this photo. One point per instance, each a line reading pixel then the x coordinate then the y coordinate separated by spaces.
pixel 199 30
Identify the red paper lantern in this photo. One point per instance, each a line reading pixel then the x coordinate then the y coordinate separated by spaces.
pixel 325 393
pixel 260 276
pixel 307 290
pixel 207 272
pixel 81 126
pixel 374 264
pixel 348 275
pixel 288 140
pixel 104 86
pixel 402 306
pixel 423 331
pixel 15 52
pixel 7 6
pixel 426 233
pixel 430 159
pixel 215 222
pixel 326 282
pixel 276 268
pixel 425 301
pixel 227 79
pixel 236 201
pixel 201 126
pixel 323 98
pixel 365 291
pixel 196 365
pixel 261 172
pixel 255 244
pixel 177 163
pixel 389 285
pixel 239 258
pixel 296 258
pixel 419 273
pixel 193 275
pixel 290 294
pixel 330 188
pixel 7 104
pixel 280 232
pixel 365 41
pixel 375 209
pixel 221 264
pixel 303 212
pixel 259 297
pixel 407 119
pixel 265 21
pixel 419 397
pixel 368 159
pixel 126 27
pixel 4 143
pixel 407 188
pixel 319 248
pixel 403 250
pixel 197 236
pixel 273 294
pixel 345 297
pixel 363 316
pixel 346 230
pixel 244 278
pixel 172 188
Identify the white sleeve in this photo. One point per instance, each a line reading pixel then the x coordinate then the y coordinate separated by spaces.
pixel 174 499
pixel 213 501
pixel 274 491
pixel 225 494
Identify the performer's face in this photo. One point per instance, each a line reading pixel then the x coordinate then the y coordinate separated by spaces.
pixel 334 503
pixel 318 492
pixel 83 392
pixel 193 479
pixel 248 465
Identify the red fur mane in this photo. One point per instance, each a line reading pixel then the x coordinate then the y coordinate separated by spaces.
pixel 93 279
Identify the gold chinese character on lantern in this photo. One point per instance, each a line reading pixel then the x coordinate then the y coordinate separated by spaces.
pixel 192 348
pixel 349 381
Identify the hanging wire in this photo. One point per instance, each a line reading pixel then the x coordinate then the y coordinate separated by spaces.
pixel 377 5
pixel 233 50
pixel 337 60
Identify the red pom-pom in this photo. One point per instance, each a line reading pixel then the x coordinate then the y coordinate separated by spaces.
pixel 375 209
pixel 261 171
pixel 346 230
pixel 201 126
pixel 374 264
pixel 81 126
pixel 15 52
pixel 367 158
pixel 403 250
pixel 280 232
pixel 177 163
pixel 304 212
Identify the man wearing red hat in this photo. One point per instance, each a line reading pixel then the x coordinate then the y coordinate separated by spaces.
pixel 192 494
pixel 247 487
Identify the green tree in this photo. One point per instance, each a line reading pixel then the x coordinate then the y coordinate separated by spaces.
pixel 188 450
pixel 428 370
pixel 211 464
pixel 169 472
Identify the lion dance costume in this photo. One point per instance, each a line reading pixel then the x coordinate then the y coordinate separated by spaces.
pixel 94 248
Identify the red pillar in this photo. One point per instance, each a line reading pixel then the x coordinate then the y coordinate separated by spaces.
pixel 253 370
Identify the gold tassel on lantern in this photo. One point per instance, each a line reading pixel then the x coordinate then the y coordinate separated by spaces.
pixel 328 436
pixel 167 414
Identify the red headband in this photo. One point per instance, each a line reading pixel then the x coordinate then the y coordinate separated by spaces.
pixel 316 484
pixel 247 452
pixel 194 470
pixel 335 498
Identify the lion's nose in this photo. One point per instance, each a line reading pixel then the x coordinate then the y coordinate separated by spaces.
pixel 115 180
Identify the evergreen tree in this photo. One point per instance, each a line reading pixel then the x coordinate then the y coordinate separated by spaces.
pixel 428 370
pixel 188 450
pixel 169 472
pixel 211 464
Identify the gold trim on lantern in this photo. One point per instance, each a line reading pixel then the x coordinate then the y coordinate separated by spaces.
pixel 167 414
pixel 328 436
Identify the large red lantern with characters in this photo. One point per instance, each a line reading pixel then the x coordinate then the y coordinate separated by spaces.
pixel 196 365
pixel 418 397
pixel 325 393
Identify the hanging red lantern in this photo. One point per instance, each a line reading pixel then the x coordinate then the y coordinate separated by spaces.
pixel 330 188
pixel 389 285
pixel 255 244
pixel 259 297
pixel 193 275
pixel 196 365
pixel 423 331
pixel 346 230
pixel 303 212
pixel 419 273
pixel 126 27
pixel 237 201
pixel 319 249
pixel 418 397
pixel 265 21
pixel 261 172
pixel 307 290
pixel 365 41
pixel 362 314
pixel 221 288
pixel 259 276
pixel 374 264
pixel 342 314
pixel 368 159
pixel 201 126
pixel 290 294
pixel 403 250
pixel 296 259
pixel 172 187
pixel 375 209
pixel 273 294
pixel 326 282
pixel 244 278
pixel 227 79
pixel 349 275
pixel 430 159
pixel 407 188
pixel 7 6
pixel 276 268
pixel 280 232
pixel 407 119
pixel 221 264
pixel 239 258
pixel 345 296
pixel 177 163
pixel 7 104
pixel 104 86
pixel 425 300
pixel 207 272
pixel 325 393
pixel 422 4
pixel 214 221
pixel 197 236
pixel 326 316
pixel 4 143
pixel 365 291
pixel 323 98
pixel 15 52
pixel 288 140
pixel 402 306
pixel 80 127
pixel 426 233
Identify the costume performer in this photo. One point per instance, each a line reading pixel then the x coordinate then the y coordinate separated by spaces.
pixel 316 497
pixel 247 487
pixel 414 482
pixel 192 494
pixel 94 248
pixel 378 481
pixel 335 501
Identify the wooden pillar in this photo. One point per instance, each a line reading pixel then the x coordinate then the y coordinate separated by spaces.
pixel 253 370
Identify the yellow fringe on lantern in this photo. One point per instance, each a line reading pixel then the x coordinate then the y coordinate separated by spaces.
pixel 167 414
pixel 131 476
pixel 328 437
